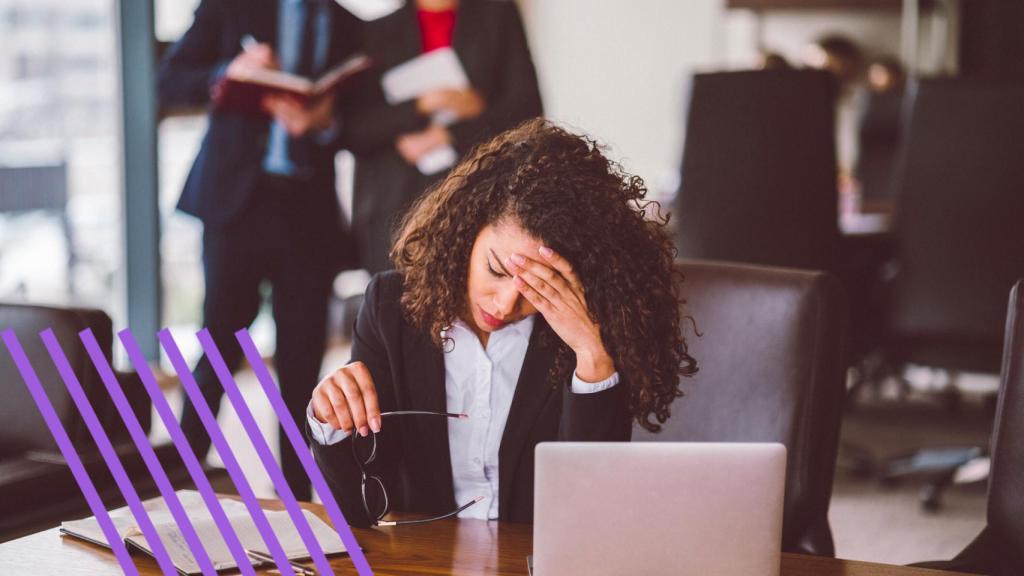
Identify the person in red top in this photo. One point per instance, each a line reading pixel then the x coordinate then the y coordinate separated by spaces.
pixel 437 21
pixel 388 140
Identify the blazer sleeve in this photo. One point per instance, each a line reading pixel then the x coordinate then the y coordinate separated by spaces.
pixel 336 461
pixel 194 64
pixel 597 417
pixel 516 98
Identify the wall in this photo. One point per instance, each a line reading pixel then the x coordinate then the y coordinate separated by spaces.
pixel 617 70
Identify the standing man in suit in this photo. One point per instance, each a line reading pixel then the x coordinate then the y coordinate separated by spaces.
pixel 387 140
pixel 263 186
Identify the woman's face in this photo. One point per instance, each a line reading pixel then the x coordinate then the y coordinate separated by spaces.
pixel 493 299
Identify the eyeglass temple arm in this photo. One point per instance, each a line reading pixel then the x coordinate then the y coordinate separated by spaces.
pixel 424 413
pixel 425 520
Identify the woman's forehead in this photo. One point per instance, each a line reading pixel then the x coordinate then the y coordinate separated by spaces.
pixel 507 238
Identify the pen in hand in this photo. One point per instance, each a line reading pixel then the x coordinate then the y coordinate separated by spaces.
pixel 249 42
pixel 254 55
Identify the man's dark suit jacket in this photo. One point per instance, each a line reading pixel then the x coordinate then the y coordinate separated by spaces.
pixel 413 454
pixel 491 44
pixel 230 160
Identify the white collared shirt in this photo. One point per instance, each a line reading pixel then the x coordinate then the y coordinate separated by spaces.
pixel 480 383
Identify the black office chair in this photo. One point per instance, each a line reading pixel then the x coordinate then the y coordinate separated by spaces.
pixel 999 549
pixel 37 486
pixel 771 370
pixel 758 178
pixel 960 245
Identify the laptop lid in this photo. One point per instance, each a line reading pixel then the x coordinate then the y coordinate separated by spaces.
pixel 704 509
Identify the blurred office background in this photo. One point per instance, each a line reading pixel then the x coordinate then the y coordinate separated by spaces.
pixel 74 197
pixel 616 70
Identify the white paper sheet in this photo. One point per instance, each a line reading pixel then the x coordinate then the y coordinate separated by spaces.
pixel 435 70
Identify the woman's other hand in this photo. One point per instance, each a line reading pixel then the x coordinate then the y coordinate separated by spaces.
pixel 415 145
pixel 464 104
pixel 550 284
pixel 347 400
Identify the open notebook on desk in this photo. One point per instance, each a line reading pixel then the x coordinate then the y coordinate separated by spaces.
pixel 89 529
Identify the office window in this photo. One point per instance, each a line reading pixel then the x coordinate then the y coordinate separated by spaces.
pixel 60 192
pixel 179 135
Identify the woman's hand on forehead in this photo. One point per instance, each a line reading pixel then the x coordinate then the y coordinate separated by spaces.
pixel 548 281
pixel 545 271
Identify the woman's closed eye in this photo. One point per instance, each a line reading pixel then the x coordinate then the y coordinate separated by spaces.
pixel 494 272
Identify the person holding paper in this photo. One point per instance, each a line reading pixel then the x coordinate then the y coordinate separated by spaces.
pixel 532 301
pixel 404 144
pixel 263 186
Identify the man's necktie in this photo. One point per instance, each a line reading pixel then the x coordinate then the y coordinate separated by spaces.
pixel 303 34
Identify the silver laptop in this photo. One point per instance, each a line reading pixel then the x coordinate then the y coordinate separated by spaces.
pixel 700 509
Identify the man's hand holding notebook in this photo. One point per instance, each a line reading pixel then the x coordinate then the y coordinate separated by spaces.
pixel 254 76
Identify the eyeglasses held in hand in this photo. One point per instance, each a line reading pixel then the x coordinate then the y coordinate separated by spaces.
pixel 375 496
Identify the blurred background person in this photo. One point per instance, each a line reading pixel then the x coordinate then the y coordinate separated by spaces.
pixel 844 59
pixel 389 140
pixel 263 186
pixel 837 54
pixel 771 60
pixel 881 118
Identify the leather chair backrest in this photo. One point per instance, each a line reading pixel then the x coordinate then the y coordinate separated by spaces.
pixel 960 241
pixel 770 370
pixel 22 427
pixel 1006 483
pixel 758 179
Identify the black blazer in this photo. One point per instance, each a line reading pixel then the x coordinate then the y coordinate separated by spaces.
pixel 230 159
pixel 413 453
pixel 491 44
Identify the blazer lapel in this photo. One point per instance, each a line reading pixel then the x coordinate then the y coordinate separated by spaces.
pixel 532 392
pixel 426 384
pixel 405 38
pixel 261 19
pixel 464 38
pixel 427 392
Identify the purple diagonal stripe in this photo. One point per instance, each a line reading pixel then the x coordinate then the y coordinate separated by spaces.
pixel 92 497
pixel 188 456
pixel 148 455
pixel 299 445
pixel 230 462
pixel 264 452
pixel 107 451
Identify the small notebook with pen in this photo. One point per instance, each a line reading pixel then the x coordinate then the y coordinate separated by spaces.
pixel 88 529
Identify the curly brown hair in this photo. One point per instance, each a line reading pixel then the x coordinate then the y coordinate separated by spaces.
pixel 563 191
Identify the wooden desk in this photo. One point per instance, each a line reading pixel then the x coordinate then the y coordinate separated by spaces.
pixel 465 547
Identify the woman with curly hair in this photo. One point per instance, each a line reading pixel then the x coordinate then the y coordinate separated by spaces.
pixel 532 301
